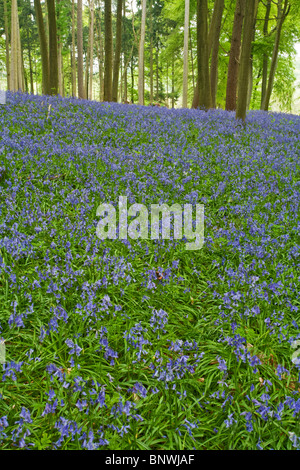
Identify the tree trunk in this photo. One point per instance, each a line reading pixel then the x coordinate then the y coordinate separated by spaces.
pixel 20 67
pixel 219 8
pixel 6 45
pixel 108 52
pixel 151 53
pixel 73 59
pixel 202 97
pixel 115 85
pixel 81 93
pixel 234 57
pixel 282 13
pixel 132 81
pixel 265 57
pixel 14 47
pixel 173 82
pixel 53 56
pixel 186 54
pixel 43 47
pixel 192 58
pixel 141 83
pixel 91 50
pixel 243 80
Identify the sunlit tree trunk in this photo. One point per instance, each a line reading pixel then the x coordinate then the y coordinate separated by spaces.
pixel 108 52
pixel 281 15
pixel 234 57
pixel 219 8
pixel 20 66
pixel 151 53
pixel 265 57
pixel 6 44
pixel 81 93
pixel 243 80
pixel 73 52
pixel 91 49
pixel 116 69
pixel 186 54
pixel 14 47
pixel 141 83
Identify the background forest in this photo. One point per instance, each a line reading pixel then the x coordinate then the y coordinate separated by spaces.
pixel 102 50
pixel 150 52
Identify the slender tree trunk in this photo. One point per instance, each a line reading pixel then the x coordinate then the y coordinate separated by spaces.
pixel 157 73
pixel 6 44
pixel 141 83
pixel 91 50
pixel 192 58
pixel 132 81
pixel 202 95
pixel 115 85
pixel 282 13
pixel 14 47
pixel 108 52
pixel 100 54
pixel 59 62
pixel 43 47
pixel 73 59
pixel 167 67
pixel 234 57
pixel 265 56
pixel 173 82
pixel 219 8
pixel 53 56
pixel 125 81
pixel 20 66
pixel 151 53
pixel 81 93
pixel 186 54
pixel 243 80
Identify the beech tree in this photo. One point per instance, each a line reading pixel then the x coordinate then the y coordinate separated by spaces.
pixel 141 83
pixel 81 93
pixel 282 12
pixel 53 57
pixel 116 68
pixel 186 53
pixel 108 52
pixel 234 57
pixel 202 97
pixel 243 79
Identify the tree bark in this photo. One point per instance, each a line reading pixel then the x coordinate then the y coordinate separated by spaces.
pixel 282 13
pixel 202 97
pixel 6 45
pixel 243 80
pixel 43 47
pixel 91 50
pixel 14 47
pixel 115 85
pixel 108 52
pixel 73 60
pixel 81 93
pixel 234 57
pixel 141 83
pixel 265 57
pixel 186 54
pixel 151 53
pixel 53 56
pixel 219 8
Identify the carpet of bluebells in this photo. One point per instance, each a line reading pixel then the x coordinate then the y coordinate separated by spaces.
pixel 141 344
